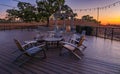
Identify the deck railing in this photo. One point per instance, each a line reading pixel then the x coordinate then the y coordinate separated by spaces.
pixel 112 33
pixel 107 32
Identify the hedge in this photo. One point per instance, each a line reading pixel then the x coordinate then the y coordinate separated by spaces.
pixel 88 29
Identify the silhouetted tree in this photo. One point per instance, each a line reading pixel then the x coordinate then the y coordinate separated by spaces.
pixel 48 7
pixel 89 19
pixel 26 11
pixel 12 14
pixel 42 12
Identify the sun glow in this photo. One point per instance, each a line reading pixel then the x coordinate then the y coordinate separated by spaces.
pixel 106 17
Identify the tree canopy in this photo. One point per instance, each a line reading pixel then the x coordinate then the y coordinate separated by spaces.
pixel 25 12
pixel 41 12
pixel 89 19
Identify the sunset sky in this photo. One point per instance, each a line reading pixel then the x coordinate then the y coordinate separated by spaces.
pixel 109 15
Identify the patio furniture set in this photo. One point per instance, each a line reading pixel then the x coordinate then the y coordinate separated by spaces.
pixel 40 45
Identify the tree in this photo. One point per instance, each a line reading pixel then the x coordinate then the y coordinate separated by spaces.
pixel 26 12
pixel 48 7
pixel 89 19
pixel 13 14
pixel 68 12
pixel 2 20
pixel 45 8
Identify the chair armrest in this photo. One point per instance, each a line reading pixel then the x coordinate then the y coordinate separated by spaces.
pixel 76 41
pixel 68 43
pixel 72 40
pixel 42 45
pixel 33 42
pixel 75 46
pixel 64 42
pixel 71 45
pixel 30 42
pixel 25 46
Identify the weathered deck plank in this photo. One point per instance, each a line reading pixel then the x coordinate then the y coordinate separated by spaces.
pixel 95 60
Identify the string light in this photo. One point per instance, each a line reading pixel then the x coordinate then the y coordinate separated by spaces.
pixel 103 7
pixel 8 6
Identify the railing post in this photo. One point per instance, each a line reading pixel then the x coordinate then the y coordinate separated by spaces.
pixel 112 33
pixel 4 27
pixel 105 33
pixel 96 32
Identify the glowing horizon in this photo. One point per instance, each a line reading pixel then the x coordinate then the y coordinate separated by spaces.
pixel 106 16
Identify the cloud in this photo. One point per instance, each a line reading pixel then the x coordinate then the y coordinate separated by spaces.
pixel 3 14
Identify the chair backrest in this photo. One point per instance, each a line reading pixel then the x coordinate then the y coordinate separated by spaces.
pixel 74 38
pixel 19 45
pixel 82 38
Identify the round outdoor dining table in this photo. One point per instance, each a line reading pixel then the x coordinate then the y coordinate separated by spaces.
pixel 52 42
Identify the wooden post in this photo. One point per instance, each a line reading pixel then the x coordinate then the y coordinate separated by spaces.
pixel 105 33
pixel 96 32
pixel 112 33
pixel 98 14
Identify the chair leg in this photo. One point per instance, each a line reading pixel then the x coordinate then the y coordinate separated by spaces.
pixel 17 58
pixel 80 50
pixel 60 54
pixel 76 55
pixel 44 54
pixel 41 57
pixel 61 48
pixel 24 62
pixel 84 46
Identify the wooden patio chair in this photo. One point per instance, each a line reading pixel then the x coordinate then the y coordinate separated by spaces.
pixel 75 40
pixel 29 52
pixel 73 48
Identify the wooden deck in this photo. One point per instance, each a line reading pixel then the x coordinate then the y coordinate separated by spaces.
pixel 102 56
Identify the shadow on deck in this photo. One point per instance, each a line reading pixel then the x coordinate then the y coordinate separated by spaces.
pixel 102 56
